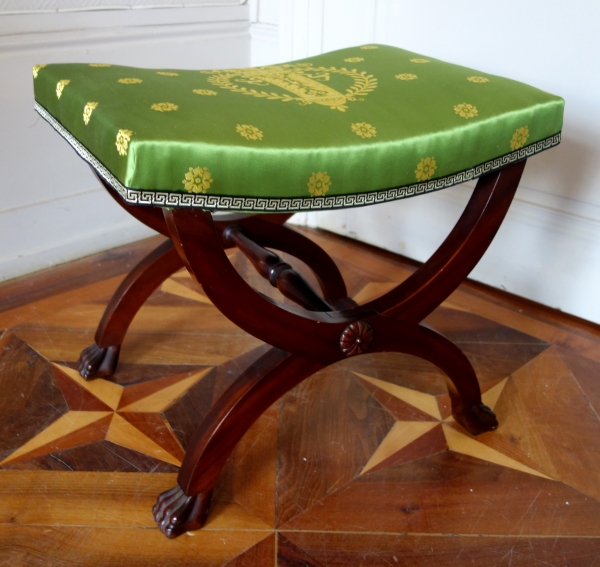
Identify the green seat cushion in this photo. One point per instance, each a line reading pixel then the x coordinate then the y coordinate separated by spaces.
pixel 352 127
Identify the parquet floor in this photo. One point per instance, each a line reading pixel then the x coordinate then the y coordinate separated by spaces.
pixel 361 465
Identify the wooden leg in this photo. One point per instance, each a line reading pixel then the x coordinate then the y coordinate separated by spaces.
pixel 100 359
pixel 286 239
pixel 451 263
pixel 185 507
pixel 463 386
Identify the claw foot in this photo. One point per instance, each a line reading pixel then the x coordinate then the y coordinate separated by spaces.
pixel 97 362
pixel 176 513
pixel 477 419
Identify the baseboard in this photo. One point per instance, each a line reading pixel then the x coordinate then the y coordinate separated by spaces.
pixel 46 234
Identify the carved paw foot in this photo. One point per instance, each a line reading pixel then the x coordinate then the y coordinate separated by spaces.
pixel 176 513
pixel 96 362
pixel 477 419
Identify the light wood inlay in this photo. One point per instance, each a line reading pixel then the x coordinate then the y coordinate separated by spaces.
pixel 172 286
pixel 403 433
pixel 121 432
pixel 461 443
pixel 424 402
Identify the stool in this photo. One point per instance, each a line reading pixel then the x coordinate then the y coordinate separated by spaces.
pixel 349 128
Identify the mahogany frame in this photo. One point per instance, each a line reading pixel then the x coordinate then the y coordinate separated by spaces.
pixel 324 329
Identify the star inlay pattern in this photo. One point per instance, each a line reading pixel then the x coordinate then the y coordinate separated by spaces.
pixel 129 416
pixel 432 434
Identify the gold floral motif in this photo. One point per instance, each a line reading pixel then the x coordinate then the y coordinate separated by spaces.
pixel 519 138
pixel 406 77
pixel 419 60
pixel 425 169
pixel 302 80
pixel 167 74
pixel 478 79
pixel 249 132
pixel 319 184
pixel 364 130
pixel 123 138
pixel 60 87
pixel 100 65
pixel 129 81
pixel 465 110
pixel 197 180
pixel 164 106
pixel 87 111
pixel 369 47
pixel 354 59
pixel 205 92
pixel 36 69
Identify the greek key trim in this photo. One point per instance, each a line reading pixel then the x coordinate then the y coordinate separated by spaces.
pixel 290 204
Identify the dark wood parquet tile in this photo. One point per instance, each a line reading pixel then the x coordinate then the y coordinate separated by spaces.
pixel 290 555
pixel 325 443
pixel 450 493
pixel 101 456
pixel 356 466
pixel 260 555
pixel 587 374
pixel 377 550
pixel 464 327
pixel 187 412
pixel 30 399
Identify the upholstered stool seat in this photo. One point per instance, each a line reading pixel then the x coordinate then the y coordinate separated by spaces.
pixel 353 127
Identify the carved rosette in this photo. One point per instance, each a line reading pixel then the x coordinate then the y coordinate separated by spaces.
pixel 356 338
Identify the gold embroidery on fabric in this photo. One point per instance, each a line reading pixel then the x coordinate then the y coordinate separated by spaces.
pixel 425 169
pixel 478 79
pixel 519 138
pixel 419 60
pixel 205 92
pixel 319 184
pixel 406 77
pixel 36 69
pixel 364 130
pixel 465 110
pixel 249 132
pixel 129 81
pixel 123 138
pixel 167 74
pixel 369 47
pixel 100 65
pixel 197 180
pixel 354 59
pixel 60 87
pixel 301 79
pixel 87 111
pixel 164 106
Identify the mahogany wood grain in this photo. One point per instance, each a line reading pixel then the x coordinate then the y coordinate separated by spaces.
pixel 279 274
pixel 460 252
pixel 284 238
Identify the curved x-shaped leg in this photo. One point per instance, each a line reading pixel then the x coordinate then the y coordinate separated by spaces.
pixel 185 507
pixel 101 358
pixel 465 395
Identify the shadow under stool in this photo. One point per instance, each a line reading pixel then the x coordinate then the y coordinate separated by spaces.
pixel 353 127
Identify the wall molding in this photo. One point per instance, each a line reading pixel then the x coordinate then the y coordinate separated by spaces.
pixel 64 214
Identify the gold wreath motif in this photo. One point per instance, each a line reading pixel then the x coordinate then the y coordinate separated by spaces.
pixel 302 80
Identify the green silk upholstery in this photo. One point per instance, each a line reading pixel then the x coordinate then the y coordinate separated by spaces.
pixel 351 127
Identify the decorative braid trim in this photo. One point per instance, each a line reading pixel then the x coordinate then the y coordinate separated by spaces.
pixel 290 204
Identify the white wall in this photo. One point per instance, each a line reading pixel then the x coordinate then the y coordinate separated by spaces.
pixel 52 208
pixel 548 249
pixel 264 28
